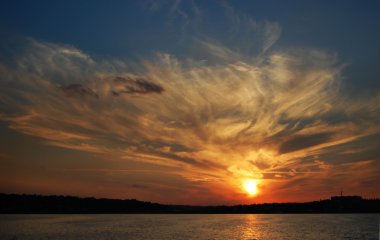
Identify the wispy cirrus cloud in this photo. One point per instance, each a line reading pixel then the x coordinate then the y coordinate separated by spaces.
pixel 277 115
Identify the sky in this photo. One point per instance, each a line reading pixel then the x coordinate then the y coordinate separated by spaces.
pixel 190 102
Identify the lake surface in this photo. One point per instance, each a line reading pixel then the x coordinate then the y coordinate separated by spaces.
pixel 192 226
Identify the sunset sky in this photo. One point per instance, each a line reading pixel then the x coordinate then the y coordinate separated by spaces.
pixel 190 102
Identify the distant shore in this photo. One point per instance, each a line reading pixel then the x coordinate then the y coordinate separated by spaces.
pixel 38 204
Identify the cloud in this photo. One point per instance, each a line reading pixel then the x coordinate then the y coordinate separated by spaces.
pixel 304 141
pixel 78 89
pixel 276 115
pixel 251 36
pixel 119 85
pixel 134 85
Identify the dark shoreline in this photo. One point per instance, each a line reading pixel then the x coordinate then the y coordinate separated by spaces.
pixel 37 204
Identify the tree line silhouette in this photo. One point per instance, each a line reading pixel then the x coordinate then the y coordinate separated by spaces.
pixel 22 203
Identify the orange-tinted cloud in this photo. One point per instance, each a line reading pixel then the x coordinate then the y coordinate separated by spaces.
pixel 279 116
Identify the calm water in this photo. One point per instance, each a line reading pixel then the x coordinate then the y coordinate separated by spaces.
pixel 198 226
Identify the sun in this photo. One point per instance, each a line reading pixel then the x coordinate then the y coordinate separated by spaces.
pixel 250 186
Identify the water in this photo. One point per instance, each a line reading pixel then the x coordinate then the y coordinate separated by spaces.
pixel 195 226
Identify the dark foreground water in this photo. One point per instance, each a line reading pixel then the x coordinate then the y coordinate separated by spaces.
pixel 196 226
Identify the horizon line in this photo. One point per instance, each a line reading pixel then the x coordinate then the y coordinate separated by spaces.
pixel 168 204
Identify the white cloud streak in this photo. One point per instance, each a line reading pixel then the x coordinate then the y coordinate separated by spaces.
pixel 226 119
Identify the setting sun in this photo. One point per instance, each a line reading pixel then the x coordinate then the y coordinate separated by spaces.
pixel 250 186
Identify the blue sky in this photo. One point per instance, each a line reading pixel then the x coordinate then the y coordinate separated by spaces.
pixel 127 29
pixel 146 99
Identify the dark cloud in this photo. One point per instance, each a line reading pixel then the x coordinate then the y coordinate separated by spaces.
pixel 171 151
pixel 304 141
pixel 135 85
pixel 360 149
pixel 78 89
